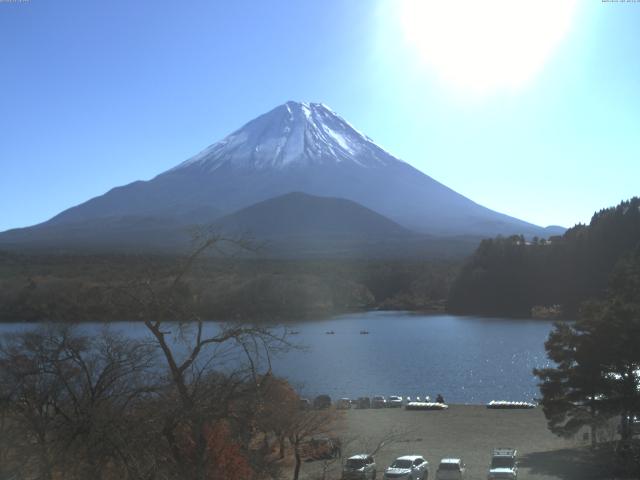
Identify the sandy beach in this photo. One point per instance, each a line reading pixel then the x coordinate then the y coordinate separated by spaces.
pixel 469 432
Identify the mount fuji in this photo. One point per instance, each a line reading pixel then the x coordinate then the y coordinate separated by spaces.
pixel 296 147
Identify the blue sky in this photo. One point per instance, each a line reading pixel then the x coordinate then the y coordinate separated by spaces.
pixel 96 94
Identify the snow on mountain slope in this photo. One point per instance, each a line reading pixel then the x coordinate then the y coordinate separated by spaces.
pixel 292 134
pixel 298 147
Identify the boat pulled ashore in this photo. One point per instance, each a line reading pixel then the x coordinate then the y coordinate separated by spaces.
pixel 504 404
pixel 426 406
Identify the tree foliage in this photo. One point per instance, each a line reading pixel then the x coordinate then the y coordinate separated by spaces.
pixel 509 276
pixel 77 407
pixel 597 361
pixel 82 287
pixel 69 404
pixel 189 400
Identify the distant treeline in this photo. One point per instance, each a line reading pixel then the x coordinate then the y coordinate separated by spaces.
pixel 510 276
pixel 94 287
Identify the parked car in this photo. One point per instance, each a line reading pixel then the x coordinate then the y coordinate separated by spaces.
pixel 343 404
pixel 364 402
pixel 359 467
pixel 322 402
pixel 394 401
pixel 319 448
pixel 408 467
pixel 504 464
pixel 451 469
pixel 632 423
pixel 378 402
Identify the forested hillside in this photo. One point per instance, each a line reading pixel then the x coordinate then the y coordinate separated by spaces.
pixel 94 287
pixel 510 276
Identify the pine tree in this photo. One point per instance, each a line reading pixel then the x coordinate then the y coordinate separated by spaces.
pixel 597 372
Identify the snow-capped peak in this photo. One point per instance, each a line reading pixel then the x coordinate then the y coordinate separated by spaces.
pixel 292 134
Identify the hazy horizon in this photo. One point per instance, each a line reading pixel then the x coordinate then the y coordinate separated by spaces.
pixel 98 95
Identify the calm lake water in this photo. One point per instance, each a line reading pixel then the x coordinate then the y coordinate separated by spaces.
pixel 466 359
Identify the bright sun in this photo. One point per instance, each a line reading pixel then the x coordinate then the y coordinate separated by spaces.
pixel 485 45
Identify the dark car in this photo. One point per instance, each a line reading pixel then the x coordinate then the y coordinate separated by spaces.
pixel 322 402
pixel 359 467
pixel 363 402
pixel 320 448
pixel 631 423
pixel 378 402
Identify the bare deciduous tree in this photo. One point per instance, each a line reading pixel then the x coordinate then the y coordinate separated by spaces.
pixel 192 350
pixel 302 427
pixel 186 401
pixel 64 396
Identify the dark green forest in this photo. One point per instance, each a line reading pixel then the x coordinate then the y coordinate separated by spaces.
pixel 505 276
pixel 94 287
pixel 593 379
pixel 512 275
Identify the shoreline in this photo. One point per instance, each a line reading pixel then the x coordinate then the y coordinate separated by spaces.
pixel 298 317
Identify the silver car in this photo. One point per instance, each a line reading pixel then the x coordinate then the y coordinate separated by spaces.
pixel 408 467
pixel 504 465
pixel 451 469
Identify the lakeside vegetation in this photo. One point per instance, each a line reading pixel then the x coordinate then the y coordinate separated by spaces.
pixel 506 276
pixel 92 287
pixel 511 276
pixel 595 377
pixel 75 407
pixel 72 406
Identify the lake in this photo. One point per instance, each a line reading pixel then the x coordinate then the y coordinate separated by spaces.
pixel 466 359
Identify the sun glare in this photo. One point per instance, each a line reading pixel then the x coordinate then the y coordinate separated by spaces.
pixel 489 44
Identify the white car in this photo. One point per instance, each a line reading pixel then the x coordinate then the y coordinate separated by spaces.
pixel 503 464
pixel 451 469
pixel 394 401
pixel 408 467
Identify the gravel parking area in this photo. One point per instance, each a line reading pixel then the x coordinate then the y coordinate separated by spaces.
pixel 469 432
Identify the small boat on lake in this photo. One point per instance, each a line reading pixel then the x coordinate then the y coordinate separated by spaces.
pixel 330 332
pixel 364 332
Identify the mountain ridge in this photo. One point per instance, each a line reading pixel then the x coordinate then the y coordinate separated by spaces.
pixel 301 214
pixel 295 147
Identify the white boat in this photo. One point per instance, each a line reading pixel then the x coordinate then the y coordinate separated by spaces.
pixel 426 406
pixel 505 404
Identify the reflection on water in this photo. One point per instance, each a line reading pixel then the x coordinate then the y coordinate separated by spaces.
pixel 466 359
